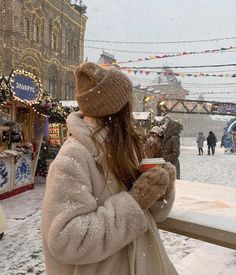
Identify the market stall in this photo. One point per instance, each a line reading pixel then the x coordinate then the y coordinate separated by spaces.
pixel 143 121
pixel 21 132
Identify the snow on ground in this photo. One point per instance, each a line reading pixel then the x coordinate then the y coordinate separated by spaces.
pixel 21 248
pixel 217 169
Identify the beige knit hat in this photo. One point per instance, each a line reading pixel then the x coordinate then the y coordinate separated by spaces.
pixel 155 129
pixel 101 92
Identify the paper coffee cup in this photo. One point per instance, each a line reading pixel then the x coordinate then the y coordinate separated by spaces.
pixel 149 163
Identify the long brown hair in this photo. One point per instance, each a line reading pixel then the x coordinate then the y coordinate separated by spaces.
pixel 123 146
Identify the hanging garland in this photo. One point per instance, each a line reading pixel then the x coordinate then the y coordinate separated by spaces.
pixel 155 57
pixel 180 74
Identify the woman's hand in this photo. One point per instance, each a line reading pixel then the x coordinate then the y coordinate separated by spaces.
pixel 150 186
pixel 171 170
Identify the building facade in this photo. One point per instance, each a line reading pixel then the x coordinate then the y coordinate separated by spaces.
pixel 44 37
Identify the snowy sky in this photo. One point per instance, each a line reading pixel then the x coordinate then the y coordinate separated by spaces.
pixel 169 20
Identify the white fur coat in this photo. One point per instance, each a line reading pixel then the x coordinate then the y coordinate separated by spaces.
pixel 92 227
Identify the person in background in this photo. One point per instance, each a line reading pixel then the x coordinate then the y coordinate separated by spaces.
pixel 3 223
pixel 99 211
pixel 200 143
pixel 223 140
pixel 171 143
pixel 211 143
pixel 153 142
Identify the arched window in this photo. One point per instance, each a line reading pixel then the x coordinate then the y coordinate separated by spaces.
pixel 31 65
pixel 69 88
pixel 52 86
pixel 26 27
pixel 52 80
pixel 35 32
pixel 69 91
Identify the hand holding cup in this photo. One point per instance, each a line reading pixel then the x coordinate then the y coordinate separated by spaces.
pixel 150 186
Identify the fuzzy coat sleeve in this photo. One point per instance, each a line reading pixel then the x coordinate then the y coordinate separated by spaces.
pixel 161 209
pixel 78 231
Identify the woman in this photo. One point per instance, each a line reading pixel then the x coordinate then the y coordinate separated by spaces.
pixel 211 143
pixel 171 143
pixel 98 212
pixel 200 143
pixel 153 142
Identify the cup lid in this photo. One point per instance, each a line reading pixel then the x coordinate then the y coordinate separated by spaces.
pixel 152 161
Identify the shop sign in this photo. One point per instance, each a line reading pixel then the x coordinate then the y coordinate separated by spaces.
pixel 25 88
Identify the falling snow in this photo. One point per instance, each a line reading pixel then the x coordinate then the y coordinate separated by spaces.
pixel 21 247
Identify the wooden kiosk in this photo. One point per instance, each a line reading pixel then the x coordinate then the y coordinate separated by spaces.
pixel 21 132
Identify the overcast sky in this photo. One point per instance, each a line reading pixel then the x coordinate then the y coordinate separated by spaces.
pixel 168 20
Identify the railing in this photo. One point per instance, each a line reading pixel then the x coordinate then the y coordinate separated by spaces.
pixel 204 212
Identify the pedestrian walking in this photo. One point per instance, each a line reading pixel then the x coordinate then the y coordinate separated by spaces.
pixel 99 211
pixel 153 142
pixel 200 143
pixel 171 143
pixel 211 143
pixel 224 136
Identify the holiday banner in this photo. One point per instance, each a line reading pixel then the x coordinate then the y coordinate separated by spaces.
pixel 180 74
pixel 155 57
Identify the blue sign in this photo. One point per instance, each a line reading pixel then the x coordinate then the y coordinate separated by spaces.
pixel 25 87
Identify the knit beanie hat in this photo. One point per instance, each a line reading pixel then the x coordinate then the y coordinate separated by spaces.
pixel 101 92
pixel 155 129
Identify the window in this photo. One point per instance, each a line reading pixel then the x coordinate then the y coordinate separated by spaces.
pixel 35 32
pixel 75 53
pixel 69 91
pixel 52 86
pixel 68 49
pixel 54 41
pixel 26 27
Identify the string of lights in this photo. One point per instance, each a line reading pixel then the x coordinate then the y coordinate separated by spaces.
pixel 178 54
pixel 127 51
pixel 155 80
pixel 210 84
pixel 146 52
pixel 182 67
pixel 209 87
pixel 160 42
pixel 211 93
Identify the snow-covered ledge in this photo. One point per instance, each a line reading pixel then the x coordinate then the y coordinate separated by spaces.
pixel 204 211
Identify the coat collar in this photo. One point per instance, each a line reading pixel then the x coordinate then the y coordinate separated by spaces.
pixel 81 129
